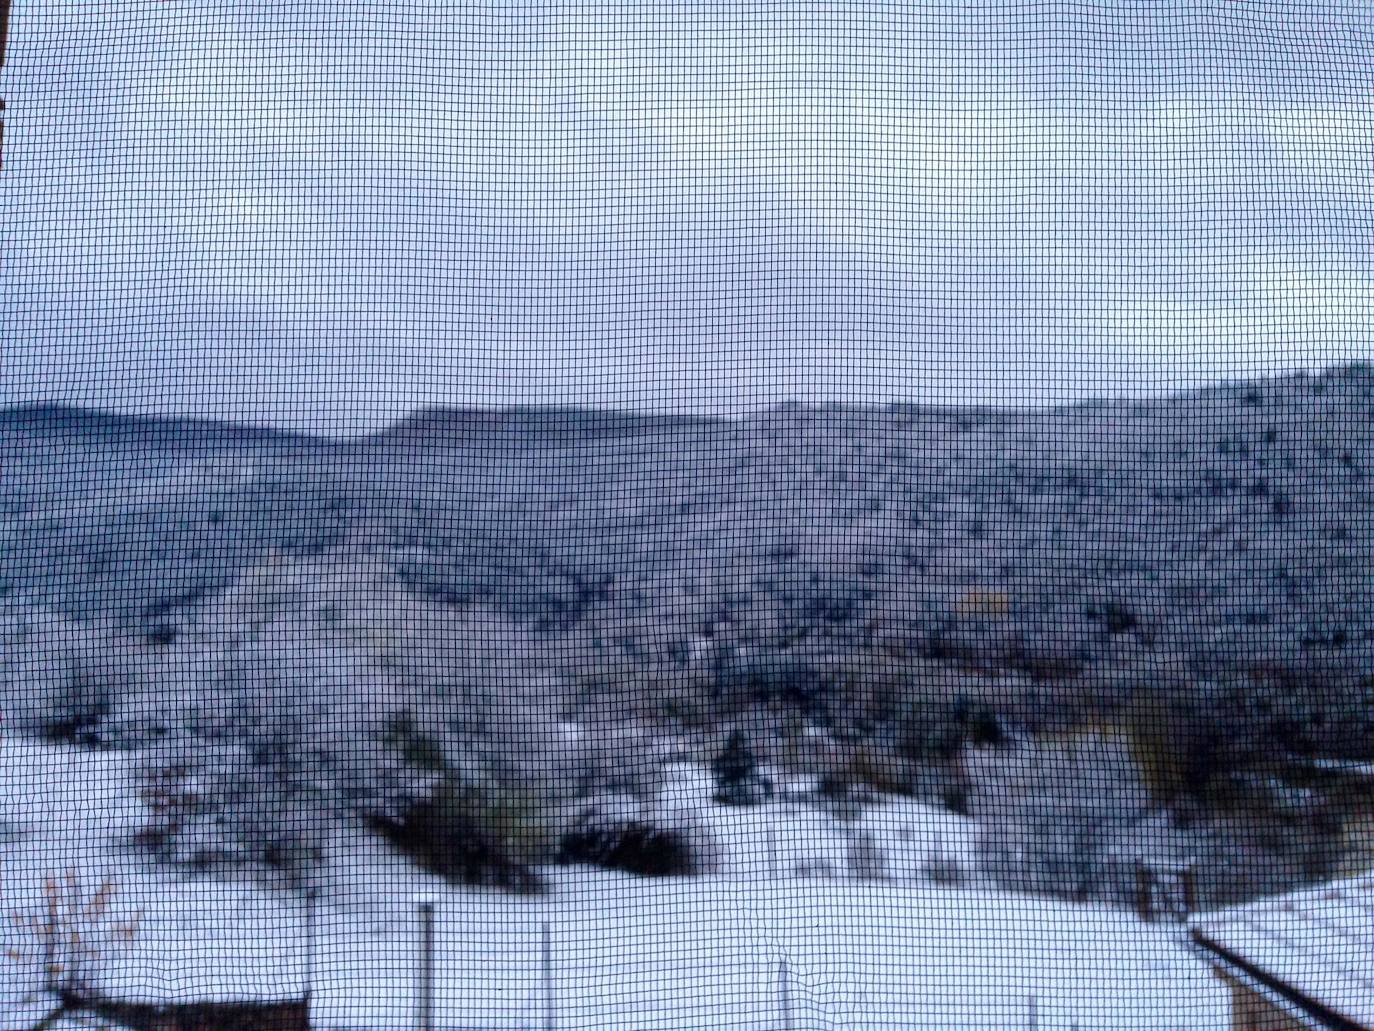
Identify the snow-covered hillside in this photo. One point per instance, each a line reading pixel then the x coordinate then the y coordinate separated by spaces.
pixel 704 952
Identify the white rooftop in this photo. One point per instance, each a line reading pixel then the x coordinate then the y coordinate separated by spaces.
pixel 1318 942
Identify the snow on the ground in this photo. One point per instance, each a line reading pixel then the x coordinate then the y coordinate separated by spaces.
pixel 704 952
pixel 790 838
pixel 708 952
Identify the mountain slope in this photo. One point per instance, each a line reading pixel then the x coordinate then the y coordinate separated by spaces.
pixel 1234 524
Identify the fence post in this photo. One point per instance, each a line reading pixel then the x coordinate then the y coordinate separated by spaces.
pixel 424 1011
pixel 1189 892
pixel 1144 890
pixel 785 991
pixel 550 1005
pixel 311 898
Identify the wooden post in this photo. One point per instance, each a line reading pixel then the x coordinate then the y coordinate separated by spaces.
pixel 1144 892
pixel 550 1012
pixel 424 1010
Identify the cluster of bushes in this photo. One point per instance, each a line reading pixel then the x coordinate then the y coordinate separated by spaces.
pixel 320 690
pixel 60 677
pixel 1075 814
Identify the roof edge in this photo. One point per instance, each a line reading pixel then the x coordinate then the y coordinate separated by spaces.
pixel 1292 1002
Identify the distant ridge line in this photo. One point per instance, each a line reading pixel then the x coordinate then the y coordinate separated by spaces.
pixel 548 422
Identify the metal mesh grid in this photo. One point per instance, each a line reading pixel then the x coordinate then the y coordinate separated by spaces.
pixel 643 515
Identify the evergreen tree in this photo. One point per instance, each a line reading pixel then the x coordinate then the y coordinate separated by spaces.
pixel 738 780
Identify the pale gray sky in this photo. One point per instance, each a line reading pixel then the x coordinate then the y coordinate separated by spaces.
pixel 323 215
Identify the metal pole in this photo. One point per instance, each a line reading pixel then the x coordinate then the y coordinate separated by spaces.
pixel 424 1017
pixel 550 1013
pixel 312 895
pixel 785 991
pixel 4 40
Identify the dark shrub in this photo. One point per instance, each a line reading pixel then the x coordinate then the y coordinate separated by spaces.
pixel 738 780
pixel 638 848
pixel 463 838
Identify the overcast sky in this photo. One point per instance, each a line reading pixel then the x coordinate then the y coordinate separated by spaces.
pixel 323 215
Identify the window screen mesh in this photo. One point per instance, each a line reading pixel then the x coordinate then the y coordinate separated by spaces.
pixel 753 515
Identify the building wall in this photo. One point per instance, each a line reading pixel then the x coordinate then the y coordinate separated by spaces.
pixel 289 1015
pixel 1250 1011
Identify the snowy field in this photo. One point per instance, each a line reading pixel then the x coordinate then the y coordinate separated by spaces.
pixel 706 952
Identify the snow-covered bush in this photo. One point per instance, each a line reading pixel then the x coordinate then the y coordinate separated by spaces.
pixel 919 842
pixel 892 838
pixel 259 759
pixel 1049 808
pixel 322 689
pixel 58 677
pixel 1074 815
pixel 1242 855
